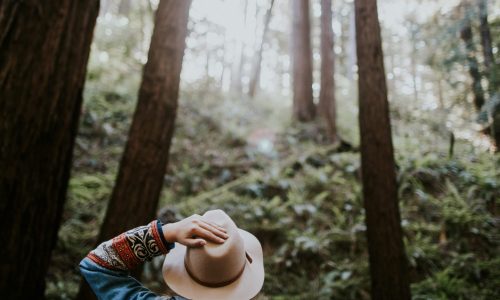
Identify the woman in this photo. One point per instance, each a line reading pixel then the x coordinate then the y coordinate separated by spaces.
pixel 213 259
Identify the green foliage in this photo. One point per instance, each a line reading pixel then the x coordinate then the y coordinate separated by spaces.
pixel 84 210
pixel 300 197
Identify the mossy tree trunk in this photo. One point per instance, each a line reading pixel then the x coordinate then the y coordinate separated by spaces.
pixel 44 49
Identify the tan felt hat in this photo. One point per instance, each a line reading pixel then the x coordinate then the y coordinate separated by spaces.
pixel 232 270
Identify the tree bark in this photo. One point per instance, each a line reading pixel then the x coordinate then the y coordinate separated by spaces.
pixel 140 177
pixel 44 49
pixel 144 162
pixel 473 65
pixel 254 80
pixel 489 58
pixel 302 80
pixel 388 265
pixel 490 70
pixel 238 64
pixel 326 106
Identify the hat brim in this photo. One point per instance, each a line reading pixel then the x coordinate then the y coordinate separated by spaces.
pixel 245 287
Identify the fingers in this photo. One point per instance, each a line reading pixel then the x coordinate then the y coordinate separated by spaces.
pixel 218 231
pixel 197 218
pixel 195 243
pixel 208 235
pixel 215 225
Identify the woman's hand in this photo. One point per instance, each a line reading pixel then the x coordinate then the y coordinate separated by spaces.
pixel 194 232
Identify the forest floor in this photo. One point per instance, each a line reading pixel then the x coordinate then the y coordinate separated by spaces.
pixel 299 195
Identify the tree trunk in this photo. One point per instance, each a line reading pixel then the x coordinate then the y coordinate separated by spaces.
pixel 495 125
pixel 351 45
pixel 413 57
pixel 388 265
pixel 254 80
pixel 491 73
pixel 44 49
pixel 489 59
pixel 326 106
pixel 238 64
pixel 477 89
pixel 140 178
pixel 303 105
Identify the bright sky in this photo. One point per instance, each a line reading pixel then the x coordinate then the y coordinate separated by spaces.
pixel 228 16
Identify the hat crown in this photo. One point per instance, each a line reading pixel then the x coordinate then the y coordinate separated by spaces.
pixel 217 264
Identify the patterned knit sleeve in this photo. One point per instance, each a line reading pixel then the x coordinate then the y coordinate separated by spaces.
pixel 132 248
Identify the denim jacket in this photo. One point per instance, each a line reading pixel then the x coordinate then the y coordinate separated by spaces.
pixel 106 268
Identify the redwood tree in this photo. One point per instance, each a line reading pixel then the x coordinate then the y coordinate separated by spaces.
pixel 489 58
pixel 388 266
pixel 326 106
pixel 143 165
pixel 140 177
pixel 255 76
pixel 491 72
pixel 301 55
pixel 473 65
pixel 44 48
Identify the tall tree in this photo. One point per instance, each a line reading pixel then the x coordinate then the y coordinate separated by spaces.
pixel 490 67
pixel 257 65
pixel 326 106
pixel 489 59
pixel 486 43
pixel 239 62
pixel 302 80
pixel 388 265
pixel 140 177
pixel 473 65
pixel 44 48
pixel 144 162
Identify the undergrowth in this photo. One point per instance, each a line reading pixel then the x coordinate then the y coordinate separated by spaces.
pixel 301 198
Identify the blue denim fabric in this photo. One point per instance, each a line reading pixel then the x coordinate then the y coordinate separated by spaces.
pixel 116 285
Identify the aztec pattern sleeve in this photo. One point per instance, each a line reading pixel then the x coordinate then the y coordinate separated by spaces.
pixel 106 268
pixel 132 248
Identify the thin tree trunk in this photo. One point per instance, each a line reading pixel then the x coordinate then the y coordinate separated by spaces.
pixel 495 125
pixel 489 59
pixel 223 63
pixel 413 69
pixel 491 73
pixel 351 45
pixel 439 84
pixel 473 65
pixel 140 178
pixel 254 81
pixel 486 43
pixel 304 109
pixel 237 69
pixel 413 58
pixel 388 265
pixel 326 106
pixel 44 49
